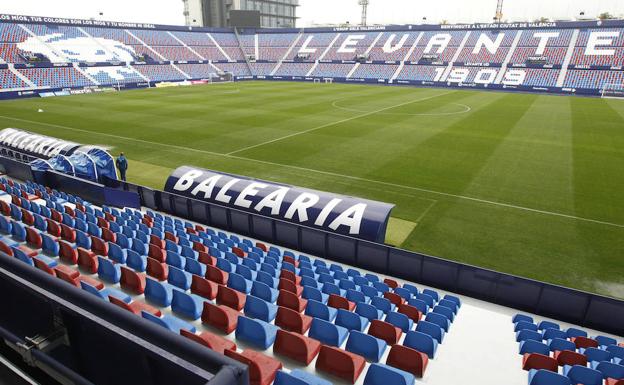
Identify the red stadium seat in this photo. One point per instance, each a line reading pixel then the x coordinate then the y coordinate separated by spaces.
pixel 39 264
pixel 231 298
pixel 109 236
pixel 296 346
pixel 206 259
pixel 288 285
pixel 408 359
pixel 67 253
pixel 103 222
pixel 54 229
pixel 27 218
pixel 98 246
pixel 221 317
pixel 289 275
pixel 69 211
pixel 69 278
pixel 568 357
pixel 291 260
pixel 87 260
pixel 135 307
pixel 385 331
pixel 391 282
pixel 217 275
pixel 262 246
pixel 394 298
pixel 154 240
pixel 291 301
pixel 91 281
pixel 291 320
pixel 584 342
pixel 238 251
pixel 539 361
pixel 200 247
pixel 67 233
pixel 340 363
pixel 410 311
pixel 158 270
pixel 203 287
pixel 28 251
pixel 211 341
pixel 339 302
pixel 156 253
pixel 5 248
pixel 171 237
pixel 613 381
pixel 262 369
pixel 33 238
pixel 55 215
pixel 67 271
pixel 132 281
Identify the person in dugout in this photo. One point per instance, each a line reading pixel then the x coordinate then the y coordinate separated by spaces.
pixel 122 165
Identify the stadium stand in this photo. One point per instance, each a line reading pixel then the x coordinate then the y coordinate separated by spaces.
pixel 56 77
pixel 9 80
pixel 160 72
pixel 29 229
pixel 546 347
pixel 566 58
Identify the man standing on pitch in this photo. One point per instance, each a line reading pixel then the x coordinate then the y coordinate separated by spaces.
pixel 122 165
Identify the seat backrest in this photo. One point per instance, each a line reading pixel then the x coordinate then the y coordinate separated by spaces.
pixel 574 332
pixel 543 325
pixel 399 320
pixel 583 375
pixel 379 374
pixel 366 345
pixel 611 370
pixel 350 320
pixel 561 344
pixel 421 342
pixel 532 346
pixel 317 309
pixel 430 328
pixel 546 377
pixel 367 311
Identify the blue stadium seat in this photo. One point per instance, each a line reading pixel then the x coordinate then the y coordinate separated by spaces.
pixel 550 334
pixel 195 267
pixel 365 345
pixel 543 325
pixel 116 253
pixel 327 332
pixel 574 332
pixel 19 254
pixel 431 329
pixel 379 374
pixel 319 310
pixel 524 325
pixel 605 341
pixel 546 377
pixel 172 323
pixel 260 309
pixel 383 304
pixel 403 293
pixel 422 342
pixel 368 311
pixel 311 293
pixel 50 245
pixel 400 320
pixel 596 355
pixel 176 260
pixel 582 375
pixel 440 320
pixel 561 344
pixel 108 271
pixel 187 305
pixel 239 283
pixel 419 304
pixel 433 294
pixel 524 335
pixel 445 311
pixel 159 293
pixel 179 278
pixel 350 320
pixel 83 240
pixel 263 291
pixel 256 332
pixel 298 377
pixel 136 261
pixel 106 292
pixel 450 304
pixel 530 346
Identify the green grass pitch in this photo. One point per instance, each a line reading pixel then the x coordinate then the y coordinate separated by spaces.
pixel 527 184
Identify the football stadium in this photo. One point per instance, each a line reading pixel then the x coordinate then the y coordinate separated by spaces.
pixel 247 200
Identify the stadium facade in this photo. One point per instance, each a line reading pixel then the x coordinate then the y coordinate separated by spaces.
pixel 42 55
pixel 219 13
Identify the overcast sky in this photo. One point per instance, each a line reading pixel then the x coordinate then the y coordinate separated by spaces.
pixel 326 11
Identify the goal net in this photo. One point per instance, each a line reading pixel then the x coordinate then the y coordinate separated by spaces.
pixel 613 90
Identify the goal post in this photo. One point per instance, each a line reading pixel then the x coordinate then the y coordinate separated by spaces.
pixel 612 90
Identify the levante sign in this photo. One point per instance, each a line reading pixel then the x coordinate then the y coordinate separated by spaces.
pixel 356 217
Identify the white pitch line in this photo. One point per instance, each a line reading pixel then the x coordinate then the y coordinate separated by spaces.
pixel 338 122
pixel 433 192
